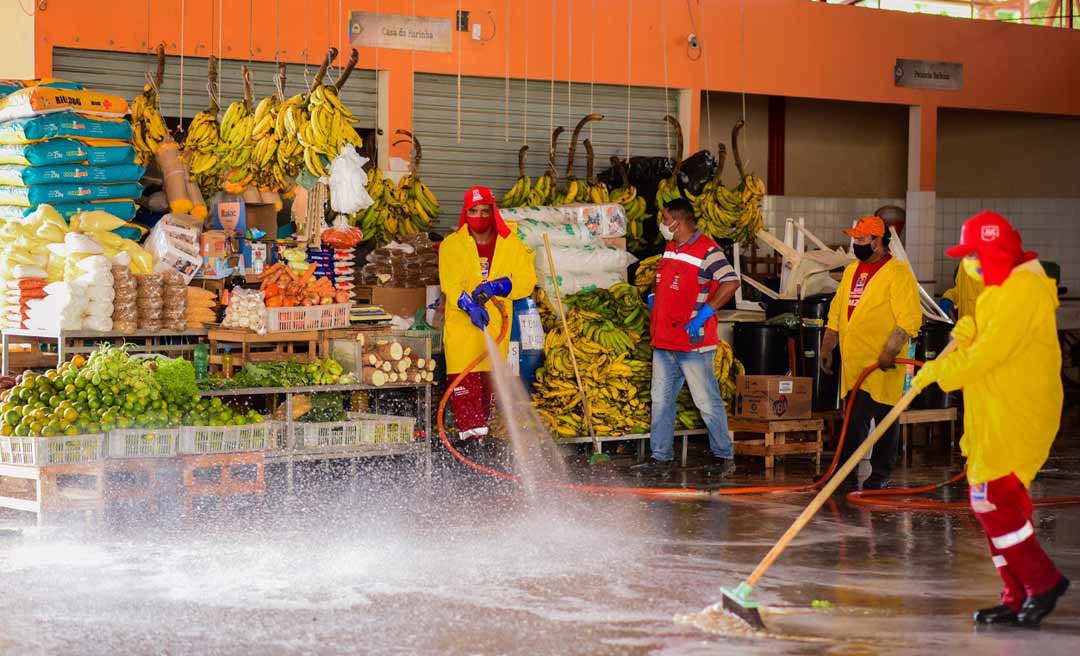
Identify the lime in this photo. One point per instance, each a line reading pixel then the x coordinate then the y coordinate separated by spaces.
pixel 70 414
pixel 12 417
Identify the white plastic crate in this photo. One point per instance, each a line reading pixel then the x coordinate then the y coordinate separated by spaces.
pixel 327 435
pixel 384 429
pixel 143 442
pixel 226 439
pixel 39 451
pixel 314 317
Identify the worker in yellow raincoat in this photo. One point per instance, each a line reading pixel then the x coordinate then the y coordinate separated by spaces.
pixel 874 313
pixel 482 260
pixel 959 300
pixel 1008 363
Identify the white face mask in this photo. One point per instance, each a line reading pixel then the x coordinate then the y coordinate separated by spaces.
pixel 666 232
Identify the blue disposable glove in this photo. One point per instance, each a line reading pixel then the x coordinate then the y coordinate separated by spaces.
pixel 485 290
pixel 947 306
pixel 693 328
pixel 650 300
pixel 476 312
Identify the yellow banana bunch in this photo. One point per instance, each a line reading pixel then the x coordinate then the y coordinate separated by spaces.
pixel 575 190
pixel 290 116
pixel 201 147
pixel 391 216
pixel 329 127
pixel 518 195
pixel 731 213
pixel 543 192
pixel 645 277
pixel 238 140
pixel 266 163
pixel 148 127
pixel 421 205
pixel 634 205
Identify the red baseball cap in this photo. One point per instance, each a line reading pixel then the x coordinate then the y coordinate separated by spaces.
pixel 997 244
pixel 483 196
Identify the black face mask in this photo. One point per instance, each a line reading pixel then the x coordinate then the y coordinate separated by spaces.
pixel 863 251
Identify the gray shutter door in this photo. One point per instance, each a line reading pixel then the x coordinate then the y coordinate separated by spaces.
pixel 124 74
pixel 487 156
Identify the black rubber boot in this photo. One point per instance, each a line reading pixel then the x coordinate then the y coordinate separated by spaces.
pixel 876 481
pixel 720 467
pixel 1037 607
pixel 653 468
pixel 997 615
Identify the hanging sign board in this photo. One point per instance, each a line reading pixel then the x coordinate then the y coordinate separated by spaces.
pixel 400 31
pixel 918 74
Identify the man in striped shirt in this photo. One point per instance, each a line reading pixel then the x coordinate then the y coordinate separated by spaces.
pixel 693 281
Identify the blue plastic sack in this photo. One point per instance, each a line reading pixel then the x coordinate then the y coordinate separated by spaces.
pixel 26 176
pixel 62 124
pixel 67 193
pixel 122 209
pixel 66 151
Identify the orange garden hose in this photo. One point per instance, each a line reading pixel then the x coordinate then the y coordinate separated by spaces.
pixel 873 499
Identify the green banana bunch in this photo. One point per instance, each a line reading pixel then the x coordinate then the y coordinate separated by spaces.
pixel 420 202
pixel 645 276
pixel 518 196
pixel 634 205
pixel 543 192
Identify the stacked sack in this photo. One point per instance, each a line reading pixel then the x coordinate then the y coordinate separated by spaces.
pixel 62 308
pixel 28 285
pixel 70 148
pixel 343 239
pixel 174 301
pixel 86 265
pixel 125 300
pixel 150 301
pixel 201 307
pixel 413 262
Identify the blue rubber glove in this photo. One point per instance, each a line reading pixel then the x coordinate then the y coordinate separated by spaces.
pixel 947 306
pixel 485 290
pixel 694 327
pixel 650 300
pixel 476 312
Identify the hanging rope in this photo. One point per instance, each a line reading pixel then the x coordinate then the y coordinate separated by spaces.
pixel 551 108
pixel 667 96
pixel 251 31
pixel 307 47
pixel 183 17
pixel 742 48
pixel 705 52
pixel 569 61
pixel 525 83
pixel 459 77
pixel 220 27
pixel 277 32
pixel 340 37
pixel 629 60
pixel 146 59
pixel 592 71
pixel 506 83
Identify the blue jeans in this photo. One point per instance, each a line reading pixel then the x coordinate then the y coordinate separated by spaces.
pixel 670 369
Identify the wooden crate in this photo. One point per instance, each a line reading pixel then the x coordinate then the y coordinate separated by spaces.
pixel 221 476
pixel 52 490
pixel 141 481
pixel 247 347
pixel 774 442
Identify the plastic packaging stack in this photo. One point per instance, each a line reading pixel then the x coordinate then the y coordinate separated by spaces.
pixel 246 310
pixel 150 301
pixel 97 280
pixel 201 307
pixel 125 302
pixel 174 301
pixel 411 263
pixel 62 308
pixel 73 161
pixel 343 239
pixel 19 294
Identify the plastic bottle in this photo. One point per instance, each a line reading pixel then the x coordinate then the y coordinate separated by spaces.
pixel 226 363
pixel 202 360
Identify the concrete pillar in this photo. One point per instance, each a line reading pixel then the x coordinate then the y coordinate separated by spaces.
pixel 17 46
pixel 920 235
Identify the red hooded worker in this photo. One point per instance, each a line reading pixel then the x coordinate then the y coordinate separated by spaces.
pixel 481 260
pixel 1008 363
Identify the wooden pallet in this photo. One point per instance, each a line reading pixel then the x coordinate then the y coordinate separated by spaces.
pixel 220 476
pixel 775 436
pixel 247 347
pixel 52 490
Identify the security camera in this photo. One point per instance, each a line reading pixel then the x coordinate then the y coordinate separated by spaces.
pixel 692 40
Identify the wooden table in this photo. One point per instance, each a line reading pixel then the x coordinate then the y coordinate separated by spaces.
pixel 775 441
pixel 910 417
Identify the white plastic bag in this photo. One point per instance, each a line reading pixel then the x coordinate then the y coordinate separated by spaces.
pixel 348 182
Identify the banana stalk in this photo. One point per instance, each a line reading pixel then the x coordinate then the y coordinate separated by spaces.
pixel 543 192
pixel 518 195
pixel 634 206
pixel 574 191
pixel 596 191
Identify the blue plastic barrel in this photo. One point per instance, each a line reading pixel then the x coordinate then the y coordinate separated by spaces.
pixel 530 359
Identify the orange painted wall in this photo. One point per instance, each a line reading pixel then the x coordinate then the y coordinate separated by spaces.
pixel 782 47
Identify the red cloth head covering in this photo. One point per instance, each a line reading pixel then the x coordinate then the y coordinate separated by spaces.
pixel 483 196
pixel 997 244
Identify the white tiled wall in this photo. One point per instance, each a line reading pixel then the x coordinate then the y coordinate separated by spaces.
pixel 825 216
pixel 1049 226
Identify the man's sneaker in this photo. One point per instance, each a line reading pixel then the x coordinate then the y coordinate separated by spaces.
pixel 997 615
pixel 720 467
pixel 653 468
pixel 1037 607
pixel 876 481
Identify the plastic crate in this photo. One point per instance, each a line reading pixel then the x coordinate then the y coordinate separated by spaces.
pixel 226 439
pixel 315 317
pixel 351 353
pixel 39 451
pixel 384 429
pixel 143 442
pixel 327 435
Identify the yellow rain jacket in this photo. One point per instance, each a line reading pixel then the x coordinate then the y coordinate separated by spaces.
pixel 1011 377
pixel 459 271
pixel 964 292
pixel 891 299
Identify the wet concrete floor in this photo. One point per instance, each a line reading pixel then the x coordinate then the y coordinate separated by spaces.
pixel 476 569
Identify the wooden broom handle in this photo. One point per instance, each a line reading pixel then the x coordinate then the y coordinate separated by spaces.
pixel 837 479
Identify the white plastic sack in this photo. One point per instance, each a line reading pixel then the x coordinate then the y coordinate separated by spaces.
pixel 348 182
pixel 94 263
pixel 24 271
pixel 78 243
pixel 588 259
pixel 577 282
pixel 532 233
pixel 601 220
pixel 549 215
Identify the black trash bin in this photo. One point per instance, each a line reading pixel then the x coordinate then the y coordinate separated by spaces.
pixel 932 340
pixel 826 387
pixel 762 348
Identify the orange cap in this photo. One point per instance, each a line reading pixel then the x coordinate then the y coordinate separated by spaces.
pixel 868 226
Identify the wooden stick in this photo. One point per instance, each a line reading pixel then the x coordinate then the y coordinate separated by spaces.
pixel 837 479
pixel 570 343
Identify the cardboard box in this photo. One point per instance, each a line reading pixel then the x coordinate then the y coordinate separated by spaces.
pixel 215 254
pixel 400 301
pixel 773 397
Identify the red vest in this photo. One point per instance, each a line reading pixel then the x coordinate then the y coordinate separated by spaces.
pixel 677 291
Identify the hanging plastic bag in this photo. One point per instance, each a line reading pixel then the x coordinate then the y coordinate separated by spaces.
pixel 342 236
pixel 348 182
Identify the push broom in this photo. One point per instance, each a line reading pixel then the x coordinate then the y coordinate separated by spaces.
pixel 598 457
pixel 739 602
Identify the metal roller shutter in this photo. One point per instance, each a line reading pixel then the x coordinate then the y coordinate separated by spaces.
pixel 124 74
pixel 485 156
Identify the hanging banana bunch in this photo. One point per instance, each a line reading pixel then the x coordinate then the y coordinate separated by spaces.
pixel 148 127
pixel 543 192
pixel 751 191
pixel 389 216
pixel 330 125
pixel 421 202
pixel 238 139
pixel 291 119
pixel 202 143
pixel 574 190
pixel 519 193
pixel 634 205
pixel 707 204
pixel 731 213
pixel 595 191
pixel 269 173
pixel 669 187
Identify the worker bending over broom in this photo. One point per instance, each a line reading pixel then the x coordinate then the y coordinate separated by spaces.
pixel 1008 363
pixel 482 260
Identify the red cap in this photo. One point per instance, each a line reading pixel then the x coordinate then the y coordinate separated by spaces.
pixel 868 226
pixel 483 196
pixel 997 244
